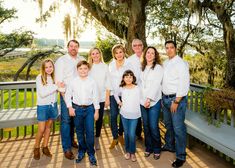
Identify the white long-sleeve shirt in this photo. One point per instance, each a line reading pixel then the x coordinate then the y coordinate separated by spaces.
pixel 66 68
pixel 116 74
pixel 83 92
pixel 176 77
pixel 150 83
pixel 130 108
pixel 134 60
pixel 46 94
pixel 100 73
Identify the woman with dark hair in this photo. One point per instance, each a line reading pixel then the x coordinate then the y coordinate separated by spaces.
pixel 150 84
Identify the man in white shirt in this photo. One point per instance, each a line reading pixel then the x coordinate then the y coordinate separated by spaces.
pixel 175 87
pixel 134 60
pixel 65 71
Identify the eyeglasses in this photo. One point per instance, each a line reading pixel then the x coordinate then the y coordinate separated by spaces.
pixel 137 45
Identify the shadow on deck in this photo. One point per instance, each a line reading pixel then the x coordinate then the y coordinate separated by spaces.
pixel 19 154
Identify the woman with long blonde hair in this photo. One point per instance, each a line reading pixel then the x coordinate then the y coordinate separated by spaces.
pixel 99 72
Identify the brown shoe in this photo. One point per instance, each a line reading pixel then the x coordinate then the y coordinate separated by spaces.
pixel 46 151
pixel 121 139
pixel 36 153
pixel 74 144
pixel 113 144
pixel 69 155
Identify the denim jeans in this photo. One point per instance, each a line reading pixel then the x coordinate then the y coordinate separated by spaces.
pixel 129 126
pixel 67 126
pixel 151 129
pixel 139 127
pixel 175 136
pixel 114 111
pixel 84 124
pixel 99 122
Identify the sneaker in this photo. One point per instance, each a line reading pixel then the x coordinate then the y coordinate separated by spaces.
pixel 97 143
pixel 36 153
pixel 46 151
pixel 92 160
pixel 121 139
pixel 113 144
pixel 80 157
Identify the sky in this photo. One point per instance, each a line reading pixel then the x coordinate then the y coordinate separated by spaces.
pixel 28 11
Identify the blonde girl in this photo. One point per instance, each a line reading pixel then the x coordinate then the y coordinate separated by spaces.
pixel 46 106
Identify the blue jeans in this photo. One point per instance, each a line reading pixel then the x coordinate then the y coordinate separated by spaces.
pixel 129 126
pixel 84 124
pixel 175 136
pixel 114 111
pixel 151 129
pixel 67 126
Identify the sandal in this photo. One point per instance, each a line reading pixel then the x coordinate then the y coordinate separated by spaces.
pixel 156 156
pixel 127 156
pixel 147 154
pixel 133 158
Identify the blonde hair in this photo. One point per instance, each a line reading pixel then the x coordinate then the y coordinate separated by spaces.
pixel 90 61
pixel 118 46
pixel 43 72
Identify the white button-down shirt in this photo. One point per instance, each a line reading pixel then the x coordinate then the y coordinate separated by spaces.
pixel 150 83
pixel 100 73
pixel 176 77
pixel 134 60
pixel 116 74
pixel 83 92
pixel 130 108
pixel 46 94
pixel 66 68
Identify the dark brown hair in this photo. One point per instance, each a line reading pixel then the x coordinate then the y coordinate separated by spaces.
pixel 127 73
pixel 156 60
pixel 83 62
pixel 171 42
pixel 75 41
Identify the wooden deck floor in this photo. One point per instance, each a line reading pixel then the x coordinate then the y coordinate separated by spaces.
pixel 19 154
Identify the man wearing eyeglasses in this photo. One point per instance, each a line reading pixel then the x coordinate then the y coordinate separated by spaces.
pixel 134 60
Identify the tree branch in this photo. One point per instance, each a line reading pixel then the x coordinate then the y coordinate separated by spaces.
pixel 104 18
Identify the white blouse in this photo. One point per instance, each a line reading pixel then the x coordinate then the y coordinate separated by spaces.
pixel 150 83
pixel 130 108
pixel 100 73
pixel 82 92
pixel 116 74
pixel 46 94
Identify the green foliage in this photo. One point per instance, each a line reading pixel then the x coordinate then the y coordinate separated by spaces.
pixel 105 46
pixel 16 39
pixel 208 68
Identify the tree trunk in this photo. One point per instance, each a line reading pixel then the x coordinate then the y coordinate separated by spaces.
pixel 229 39
pixel 137 21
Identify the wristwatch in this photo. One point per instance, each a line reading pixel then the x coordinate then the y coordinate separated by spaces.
pixel 176 102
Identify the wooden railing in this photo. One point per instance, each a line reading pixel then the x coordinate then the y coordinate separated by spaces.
pixel 19 96
pixel 196 104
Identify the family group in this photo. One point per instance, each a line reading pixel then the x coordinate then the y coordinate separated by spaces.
pixel 138 88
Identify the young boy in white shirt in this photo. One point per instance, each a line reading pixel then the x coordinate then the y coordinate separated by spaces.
pixel 83 103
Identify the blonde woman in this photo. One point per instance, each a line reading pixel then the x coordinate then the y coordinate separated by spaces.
pixel 47 110
pixel 116 69
pixel 99 72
